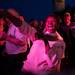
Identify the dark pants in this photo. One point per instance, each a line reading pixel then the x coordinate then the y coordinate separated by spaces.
pixel 1 50
pixel 13 63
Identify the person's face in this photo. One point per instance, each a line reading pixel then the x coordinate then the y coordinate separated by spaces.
pixel 67 18
pixel 35 23
pixel 21 18
pixel 50 24
pixel 1 25
pixel 41 23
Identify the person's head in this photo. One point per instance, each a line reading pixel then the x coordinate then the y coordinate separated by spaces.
pixel 34 23
pixel 21 18
pixel 67 17
pixel 13 12
pixel 13 18
pixel 50 24
pixel 41 23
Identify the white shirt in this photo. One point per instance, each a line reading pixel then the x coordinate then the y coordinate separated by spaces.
pixel 36 56
pixel 38 59
pixel 12 48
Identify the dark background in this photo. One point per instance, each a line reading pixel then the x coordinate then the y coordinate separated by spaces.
pixel 37 9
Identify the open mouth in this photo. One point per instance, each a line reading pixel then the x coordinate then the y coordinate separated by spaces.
pixel 50 26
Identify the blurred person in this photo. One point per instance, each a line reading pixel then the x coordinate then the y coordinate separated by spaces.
pixel 40 29
pixel 24 27
pixel 2 41
pixel 34 23
pixel 41 26
pixel 14 12
pixel 46 53
pixel 32 30
pixel 66 30
pixel 73 26
pixel 16 45
pixel 29 31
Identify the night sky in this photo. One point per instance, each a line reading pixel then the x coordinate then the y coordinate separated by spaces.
pixel 37 9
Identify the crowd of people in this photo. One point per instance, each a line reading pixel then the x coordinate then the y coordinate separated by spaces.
pixel 36 47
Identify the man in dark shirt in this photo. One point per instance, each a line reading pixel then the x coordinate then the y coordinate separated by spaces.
pixel 66 31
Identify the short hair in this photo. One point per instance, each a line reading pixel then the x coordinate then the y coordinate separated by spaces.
pixel 67 14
